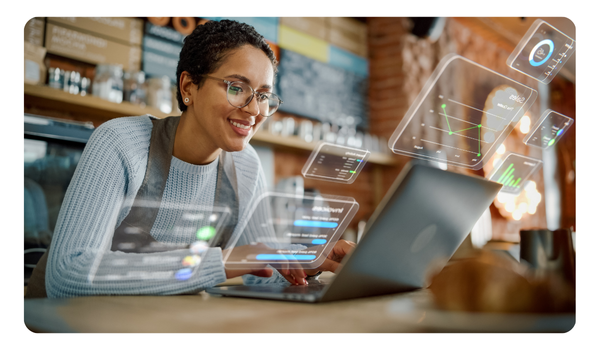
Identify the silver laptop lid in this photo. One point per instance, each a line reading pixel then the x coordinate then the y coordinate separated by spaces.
pixel 421 221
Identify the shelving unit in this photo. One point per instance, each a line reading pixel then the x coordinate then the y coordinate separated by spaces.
pixel 91 106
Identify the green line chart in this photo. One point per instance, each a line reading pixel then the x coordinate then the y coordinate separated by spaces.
pixel 450 132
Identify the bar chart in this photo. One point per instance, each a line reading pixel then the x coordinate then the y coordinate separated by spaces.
pixel 514 171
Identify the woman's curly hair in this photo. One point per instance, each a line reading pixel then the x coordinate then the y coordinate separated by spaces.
pixel 205 49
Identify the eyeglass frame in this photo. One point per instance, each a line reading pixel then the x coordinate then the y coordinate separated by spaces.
pixel 254 93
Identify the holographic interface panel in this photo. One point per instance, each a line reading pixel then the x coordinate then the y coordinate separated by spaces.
pixel 548 129
pixel 335 163
pixel 542 52
pixel 462 115
pixel 286 228
pixel 514 171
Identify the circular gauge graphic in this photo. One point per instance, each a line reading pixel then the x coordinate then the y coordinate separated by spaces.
pixel 541 52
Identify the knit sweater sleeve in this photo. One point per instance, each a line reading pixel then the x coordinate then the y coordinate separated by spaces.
pixel 80 251
pixel 258 212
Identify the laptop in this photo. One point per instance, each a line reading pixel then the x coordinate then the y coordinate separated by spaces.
pixel 419 224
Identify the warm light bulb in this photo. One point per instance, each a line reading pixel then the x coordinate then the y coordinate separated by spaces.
pixel 509 206
pixel 531 185
pixel 532 208
pixel 522 207
pixel 504 197
pixel 501 150
pixel 525 124
pixel 517 215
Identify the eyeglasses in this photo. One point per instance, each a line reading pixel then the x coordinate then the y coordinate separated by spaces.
pixel 240 94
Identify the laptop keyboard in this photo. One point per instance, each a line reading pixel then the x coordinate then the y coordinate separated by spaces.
pixel 311 288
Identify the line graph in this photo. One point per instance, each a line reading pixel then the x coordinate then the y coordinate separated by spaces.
pixel 450 132
pixel 462 115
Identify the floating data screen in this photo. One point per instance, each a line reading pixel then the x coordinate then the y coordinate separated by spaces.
pixel 542 52
pixel 138 260
pixel 332 162
pixel 514 171
pixel 462 115
pixel 548 129
pixel 287 228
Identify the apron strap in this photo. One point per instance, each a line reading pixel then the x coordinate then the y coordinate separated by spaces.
pixel 226 195
pixel 133 234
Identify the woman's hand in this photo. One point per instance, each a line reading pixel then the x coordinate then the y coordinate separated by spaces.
pixel 291 270
pixel 332 262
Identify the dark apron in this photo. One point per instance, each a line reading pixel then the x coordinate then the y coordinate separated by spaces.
pixel 134 230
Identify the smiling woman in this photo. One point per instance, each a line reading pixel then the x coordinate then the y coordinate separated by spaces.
pixel 210 114
pixel 106 227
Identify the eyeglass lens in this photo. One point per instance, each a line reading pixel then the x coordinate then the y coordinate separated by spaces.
pixel 240 94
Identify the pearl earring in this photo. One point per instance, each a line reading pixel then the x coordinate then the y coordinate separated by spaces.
pixel 186 100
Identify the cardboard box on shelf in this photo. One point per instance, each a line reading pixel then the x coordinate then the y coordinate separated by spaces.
pixel 350 26
pixel 35 70
pixel 315 26
pixel 348 42
pixel 89 48
pixel 34 31
pixel 348 34
pixel 123 29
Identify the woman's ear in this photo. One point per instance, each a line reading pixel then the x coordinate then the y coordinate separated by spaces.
pixel 185 86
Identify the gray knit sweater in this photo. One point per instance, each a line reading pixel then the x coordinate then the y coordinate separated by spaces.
pixel 104 185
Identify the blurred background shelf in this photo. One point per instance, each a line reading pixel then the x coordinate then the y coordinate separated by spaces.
pixel 53 99
pixel 92 108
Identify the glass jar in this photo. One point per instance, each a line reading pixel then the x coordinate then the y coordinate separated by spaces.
pixel 72 81
pixel 84 86
pixel 55 78
pixel 159 94
pixel 108 83
pixel 134 87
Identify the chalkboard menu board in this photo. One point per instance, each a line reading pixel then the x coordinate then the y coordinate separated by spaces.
pixel 316 90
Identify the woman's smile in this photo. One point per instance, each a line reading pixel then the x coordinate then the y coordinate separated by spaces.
pixel 241 127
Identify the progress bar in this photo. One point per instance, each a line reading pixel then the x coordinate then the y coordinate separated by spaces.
pixel 284 257
pixel 310 223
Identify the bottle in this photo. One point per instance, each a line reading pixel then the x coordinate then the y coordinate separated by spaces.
pixel 84 86
pixel 134 87
pixel 74 82
pixel 55 78
pixel 159 94
pixel 108 83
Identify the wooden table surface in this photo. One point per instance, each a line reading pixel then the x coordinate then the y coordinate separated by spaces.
pixel 210 314
pixel 202 313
